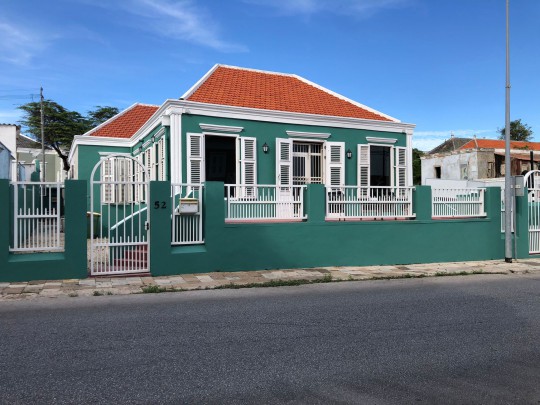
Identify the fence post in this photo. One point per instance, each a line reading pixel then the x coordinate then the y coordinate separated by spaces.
pixel 422 204
pixel 160 211
pixel 521 226
pixel 5 208
pixel 75 246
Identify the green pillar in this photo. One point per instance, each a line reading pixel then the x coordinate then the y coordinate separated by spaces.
pixel 75 228
pixel 159 212
pixel 315 203
pixel 5 229
pixel 422 203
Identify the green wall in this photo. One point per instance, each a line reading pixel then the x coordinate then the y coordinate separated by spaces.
pixel 47 266
pixel 267 132
pixel 316 242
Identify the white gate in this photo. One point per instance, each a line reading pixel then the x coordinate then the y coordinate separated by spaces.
pixel 532 182
pixel 119 220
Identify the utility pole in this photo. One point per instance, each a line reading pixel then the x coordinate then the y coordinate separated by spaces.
pixel 508 203
pixel 42 135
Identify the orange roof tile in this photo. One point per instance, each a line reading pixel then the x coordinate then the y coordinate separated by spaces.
pixel 275 91
pixel 126 123
pixel 499 144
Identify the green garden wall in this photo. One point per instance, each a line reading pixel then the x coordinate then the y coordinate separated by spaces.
pixel 316 242
pixel 47 266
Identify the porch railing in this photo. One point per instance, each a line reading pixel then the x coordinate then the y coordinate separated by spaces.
pixel 187 214
pixel 37 209
pixel 264 202
pixel 353 202
pixel 457 202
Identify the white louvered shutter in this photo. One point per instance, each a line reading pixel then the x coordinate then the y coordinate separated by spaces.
pixel 401 167
pixel 148 163
pixel 363 171
pixel 107 192
pixel 161 158
pixel 335 164
pixel 195 168
pixel 284 163
pixel 249 164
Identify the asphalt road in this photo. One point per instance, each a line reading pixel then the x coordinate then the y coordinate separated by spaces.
pixel 473 339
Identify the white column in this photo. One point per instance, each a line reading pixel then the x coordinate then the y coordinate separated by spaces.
pixel 409 157
pixel 176 148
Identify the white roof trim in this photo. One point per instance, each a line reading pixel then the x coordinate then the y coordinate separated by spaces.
pixel 173 106
pixel 220 128
pixel 373 139
pixel 199 82
pixel 318 135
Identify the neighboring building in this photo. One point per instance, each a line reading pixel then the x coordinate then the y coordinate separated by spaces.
pixel 245 126
pixel 6 159
pixel 477 160
pixel 27 155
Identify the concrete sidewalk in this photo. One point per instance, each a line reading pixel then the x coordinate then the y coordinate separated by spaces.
pixel 132 285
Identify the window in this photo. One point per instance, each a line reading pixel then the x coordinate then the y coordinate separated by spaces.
pixel 116 180
pixel 437 172
pixel 307 163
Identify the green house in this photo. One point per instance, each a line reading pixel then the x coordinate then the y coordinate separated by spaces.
pixel 249 127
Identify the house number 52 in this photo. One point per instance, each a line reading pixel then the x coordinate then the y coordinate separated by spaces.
pixel 160 204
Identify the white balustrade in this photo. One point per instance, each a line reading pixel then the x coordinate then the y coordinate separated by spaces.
pixel 353 202
pixel 457 202
pixel 187 210
pixel 264 202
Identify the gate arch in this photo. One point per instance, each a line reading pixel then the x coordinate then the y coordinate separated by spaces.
pixel 119 219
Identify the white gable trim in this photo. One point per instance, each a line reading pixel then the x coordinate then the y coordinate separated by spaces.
pixel 220 128
pixel 373 139
pixel 318 135
pixel 194 88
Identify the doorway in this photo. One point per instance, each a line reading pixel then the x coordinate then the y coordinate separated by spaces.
pixel 220 159
pixel 380 165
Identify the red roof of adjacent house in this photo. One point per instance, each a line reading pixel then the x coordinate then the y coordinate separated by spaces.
pixel 125 124
pixel 240 87
pixel 499 144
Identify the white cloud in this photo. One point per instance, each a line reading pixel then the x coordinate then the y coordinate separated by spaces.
pixel 174 19
pixel 349 7
pixel 19 45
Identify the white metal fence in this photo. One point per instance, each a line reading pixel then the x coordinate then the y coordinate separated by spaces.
pixel 187 214
pixel 37 209
pixel 264 202
pixel 458 202
pixel 353 202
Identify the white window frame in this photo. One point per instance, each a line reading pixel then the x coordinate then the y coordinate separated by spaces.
pixel 323 157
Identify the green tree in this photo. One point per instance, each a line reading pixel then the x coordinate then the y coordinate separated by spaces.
pixel 101 114
pixel 61 124
pixel 518 131
pixel 417 166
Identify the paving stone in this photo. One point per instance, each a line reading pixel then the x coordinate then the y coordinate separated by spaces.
pixel 205 279
pixel 13 290
pixel 18 285
pixel 4 285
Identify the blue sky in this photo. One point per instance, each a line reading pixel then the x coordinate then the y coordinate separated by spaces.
pixel 436 63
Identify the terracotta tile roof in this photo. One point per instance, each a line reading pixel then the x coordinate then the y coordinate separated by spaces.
pixel 240 87
pixel 499 144
pixel 126 123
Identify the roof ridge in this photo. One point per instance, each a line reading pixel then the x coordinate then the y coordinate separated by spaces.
pixel 115 117
pixel 348 100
